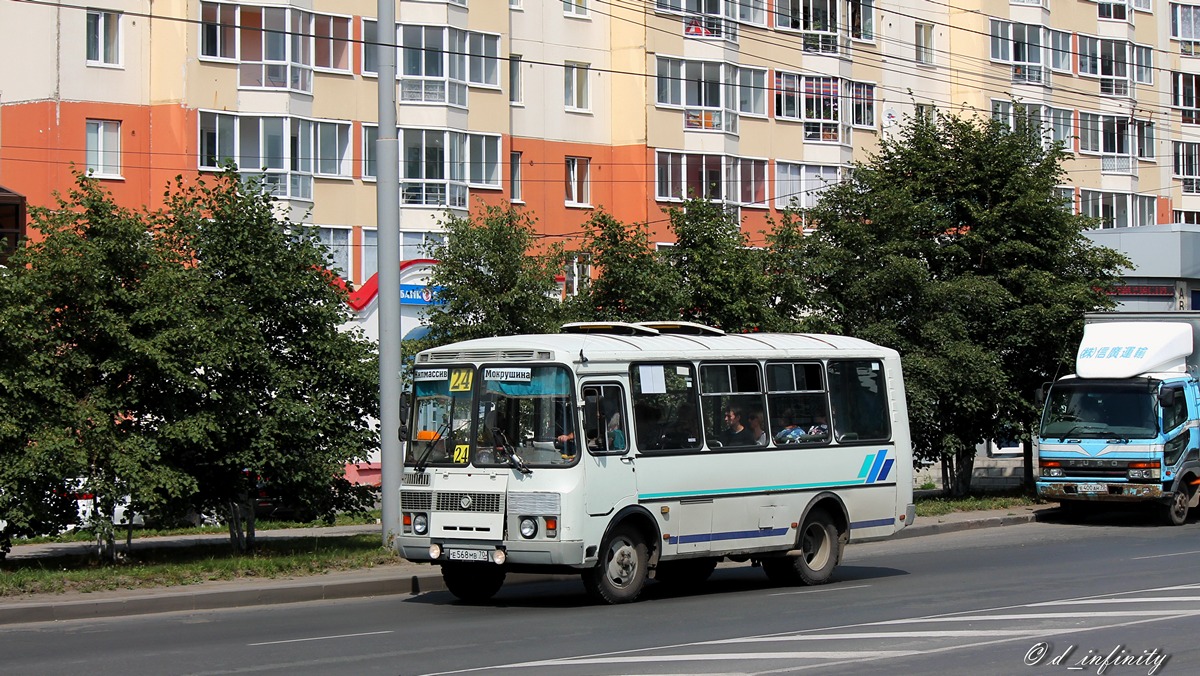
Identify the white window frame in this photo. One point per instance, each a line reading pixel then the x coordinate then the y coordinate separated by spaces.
pixel 1060 51
pixel 799 185
pixel 337 240
pixel 516 88
pixel 103 152
pixel 578 181
pixel 683 175
pixel 816 20
pixel 923 43
pixel 751 174
pixel 1061 122
pixel 370 134
pixel 218 28
pixel 483 59
pixel 334 41
pixel 332 161
pixel 752 91
pixel 1185 27
pixel 1184 98
pixel 515 194
pixel 822 110
pixel 576 94
pixel 432 65
pixel 1114 11
pixel 104 34
pixel 1143 64
pixel 1090 133
pixel 861 20
pixel 862 104
pixel 577 9
pixel 370 254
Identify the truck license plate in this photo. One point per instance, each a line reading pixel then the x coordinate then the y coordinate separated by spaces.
pixel 1090 488
pixel 467 555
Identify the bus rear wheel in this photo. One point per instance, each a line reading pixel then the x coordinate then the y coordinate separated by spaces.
pixel 473 582
pixel 621 574
pixel 820 550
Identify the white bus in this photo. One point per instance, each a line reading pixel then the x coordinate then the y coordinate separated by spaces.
pixel 612 451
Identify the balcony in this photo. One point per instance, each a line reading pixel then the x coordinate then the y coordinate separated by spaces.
pixel 1114 86
pixel 1030 74
pixel 709 119
pixel 1117 164
pixel 709 27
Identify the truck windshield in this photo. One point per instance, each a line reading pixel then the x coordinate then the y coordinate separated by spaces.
pixel 1098 409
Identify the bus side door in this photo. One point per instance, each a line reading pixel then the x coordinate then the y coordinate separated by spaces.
pixel 606 447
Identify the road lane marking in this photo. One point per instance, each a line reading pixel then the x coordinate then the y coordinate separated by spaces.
pixel 1046 616
pixel 1159 556
pixel 818 591
pixel 322 638
pixel 965 633
pixel 1148 599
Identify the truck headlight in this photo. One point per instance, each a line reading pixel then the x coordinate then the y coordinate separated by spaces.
pixel 420 524
pixel 1052 471
pixel 529 527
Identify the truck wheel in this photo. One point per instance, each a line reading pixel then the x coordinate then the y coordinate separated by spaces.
pixel 624 566
pixel 1176 511
pixel 473 582
pixel 820 551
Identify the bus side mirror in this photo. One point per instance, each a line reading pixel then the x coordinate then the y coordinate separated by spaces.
pixel 1039 395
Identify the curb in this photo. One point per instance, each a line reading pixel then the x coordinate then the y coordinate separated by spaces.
pixel 313 589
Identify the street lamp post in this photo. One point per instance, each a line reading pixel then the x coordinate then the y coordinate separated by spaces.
pixel 387 199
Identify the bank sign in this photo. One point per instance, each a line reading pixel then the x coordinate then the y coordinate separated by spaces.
pixel 419 294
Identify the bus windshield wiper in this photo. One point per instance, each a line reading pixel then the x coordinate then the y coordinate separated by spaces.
pixel 423 461
pixel 510 452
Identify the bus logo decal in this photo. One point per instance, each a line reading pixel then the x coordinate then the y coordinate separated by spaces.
pixel 876 467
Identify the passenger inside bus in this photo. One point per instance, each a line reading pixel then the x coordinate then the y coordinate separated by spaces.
pixel 736 433
pixel 754 420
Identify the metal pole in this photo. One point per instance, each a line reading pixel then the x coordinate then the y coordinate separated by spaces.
pixel 387 198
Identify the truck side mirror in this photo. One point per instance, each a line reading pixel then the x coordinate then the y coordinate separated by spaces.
pixel 1166 398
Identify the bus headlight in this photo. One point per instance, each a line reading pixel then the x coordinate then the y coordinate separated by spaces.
pixel 529 527
pixel 420 524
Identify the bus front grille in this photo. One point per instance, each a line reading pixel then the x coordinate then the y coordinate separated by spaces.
pixel 415 501
pixel 469 502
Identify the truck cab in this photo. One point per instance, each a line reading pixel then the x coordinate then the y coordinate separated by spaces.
pixel 1124 427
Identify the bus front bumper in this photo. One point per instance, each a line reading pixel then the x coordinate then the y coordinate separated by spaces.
pixel 1099 491
pixel 515 553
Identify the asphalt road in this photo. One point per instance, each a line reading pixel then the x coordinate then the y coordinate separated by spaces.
pixel 1038 598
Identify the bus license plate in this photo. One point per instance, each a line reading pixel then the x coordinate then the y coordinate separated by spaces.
pixel 1090 488
pixel 467 555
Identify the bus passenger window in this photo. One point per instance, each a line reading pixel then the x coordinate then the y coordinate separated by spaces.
pixel 798 403
pixel 664 406
pixel 604 419
pixel 859 400
pixel 732 404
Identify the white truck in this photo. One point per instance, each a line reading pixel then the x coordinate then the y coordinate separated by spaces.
pixel 1126 426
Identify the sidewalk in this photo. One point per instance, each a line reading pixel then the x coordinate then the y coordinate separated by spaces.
pixel 401 578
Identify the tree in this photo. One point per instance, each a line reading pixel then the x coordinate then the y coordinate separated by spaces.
pixel 791 296
pixel 282 396
pixel 92 350
pixel 632 281
pixel 724 282
pixel 492 281
pixel 952 245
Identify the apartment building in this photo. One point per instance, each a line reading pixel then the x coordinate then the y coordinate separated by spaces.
pixel 568 106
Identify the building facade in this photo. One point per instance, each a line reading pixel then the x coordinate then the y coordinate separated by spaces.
pixel 568 106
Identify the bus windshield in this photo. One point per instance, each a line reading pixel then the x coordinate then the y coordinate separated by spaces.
pixel 1097 409
pixel 481 416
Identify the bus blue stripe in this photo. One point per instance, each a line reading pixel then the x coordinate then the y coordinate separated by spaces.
pixel 862 473
pixel 872 523
pixel 879 457
pixel 887 468
pixel 732 535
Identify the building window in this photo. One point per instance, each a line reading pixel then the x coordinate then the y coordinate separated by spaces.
pixel 433 65
pixel 370 49
pixel 575 86
pixel 104 148
pixel 1143 132
pixel 578 181
pixel 800 185
pixel 333 148
pixel 337 240
pixel 1021 45
pixel 1107 59
pixel 275 50
pixel 863 109
pixel 484 60
pixel 1060 51
pixel 1002 113
pixel 816 18
pixel 1192 217
pixel 1185 27
pixel 1061 125
pixel 331 42
pixel 1187 166
pixel 370 135
pixel 575 7
pixel 752 182
pixel 1143 58
pixel 754 11
pixel 416 244
pixel 218 30
pixel 924 43
pixel 514 181
pixel 103 38
pixel 1115 11
pixel 1183 96
pixel 424 172
pixel 862 19
pixel 1118 210
pixel 752 91
pixel 370 254
pixel 683 176
pixel 821 109
pixel 1089 132
pixel 516 92
pixel 484 155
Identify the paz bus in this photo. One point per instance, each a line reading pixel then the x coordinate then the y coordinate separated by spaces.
pixel 623 452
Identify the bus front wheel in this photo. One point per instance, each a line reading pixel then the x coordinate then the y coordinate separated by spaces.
pixel 820 551
pixel 624 565
pixel 473 582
